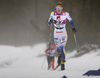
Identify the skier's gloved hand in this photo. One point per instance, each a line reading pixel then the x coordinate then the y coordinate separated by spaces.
pixel 51 20
pixel 55 21
pixel 74 30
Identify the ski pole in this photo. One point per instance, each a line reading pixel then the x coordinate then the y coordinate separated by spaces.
pixel 51 28
pixel 50 37
pixel 43 63
pixel 76 43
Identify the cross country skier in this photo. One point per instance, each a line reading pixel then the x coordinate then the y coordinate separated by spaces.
pixel 59 18
pixel 51 55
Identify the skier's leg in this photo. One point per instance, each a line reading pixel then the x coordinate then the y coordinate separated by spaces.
pixel 62 46
pixel 63 56
pixel 52 62
pixel 57 40
pixel 57 43
pixel 48 60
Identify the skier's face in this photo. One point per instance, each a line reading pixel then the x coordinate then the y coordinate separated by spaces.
pixel 59 9
pixel 51 46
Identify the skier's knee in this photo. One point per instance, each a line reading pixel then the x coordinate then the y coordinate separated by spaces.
pixel 59 50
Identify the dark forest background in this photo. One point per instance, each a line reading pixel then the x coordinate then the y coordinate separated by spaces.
pixel 24 22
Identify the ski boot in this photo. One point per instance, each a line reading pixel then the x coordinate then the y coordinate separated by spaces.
pixel 62 65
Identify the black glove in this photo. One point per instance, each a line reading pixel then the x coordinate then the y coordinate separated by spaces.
pixel 74 30
pixel 55 21
pixel 51 20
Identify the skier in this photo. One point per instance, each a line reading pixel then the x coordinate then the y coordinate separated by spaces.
pixel 59 18
pixel 50 55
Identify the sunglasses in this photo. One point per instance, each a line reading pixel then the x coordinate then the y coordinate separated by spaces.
pixel 58 8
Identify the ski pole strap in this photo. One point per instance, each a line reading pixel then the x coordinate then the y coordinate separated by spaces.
pixel 51 28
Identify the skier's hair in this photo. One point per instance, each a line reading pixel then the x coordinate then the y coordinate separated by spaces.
pixel 59 3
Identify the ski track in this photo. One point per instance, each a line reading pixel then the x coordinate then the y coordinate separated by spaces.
pixel 25 64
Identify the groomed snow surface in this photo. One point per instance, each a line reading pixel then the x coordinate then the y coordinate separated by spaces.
pixel 26 62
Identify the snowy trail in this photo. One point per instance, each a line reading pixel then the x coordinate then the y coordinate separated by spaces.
pixel 25 64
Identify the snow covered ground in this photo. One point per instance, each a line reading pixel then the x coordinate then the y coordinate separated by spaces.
pixel 24 62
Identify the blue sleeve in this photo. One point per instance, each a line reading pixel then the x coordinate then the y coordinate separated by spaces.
pixel 72 24
pixel 49 23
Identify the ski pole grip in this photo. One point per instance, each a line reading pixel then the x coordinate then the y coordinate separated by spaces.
pixel 51 28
